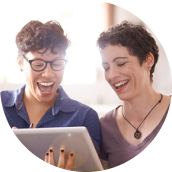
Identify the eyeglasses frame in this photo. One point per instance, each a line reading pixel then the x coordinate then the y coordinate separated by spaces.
pixel 51 62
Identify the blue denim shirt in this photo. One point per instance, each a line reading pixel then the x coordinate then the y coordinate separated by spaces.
pixel 64 113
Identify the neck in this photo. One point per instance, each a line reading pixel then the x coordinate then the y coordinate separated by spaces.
pixel 29 99
pixel 138 107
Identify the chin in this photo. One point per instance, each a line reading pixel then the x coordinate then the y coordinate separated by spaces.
pixel 45 99
pixel 123 96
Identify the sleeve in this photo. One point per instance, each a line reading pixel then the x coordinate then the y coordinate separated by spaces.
pixel 92 124
pixel 104 155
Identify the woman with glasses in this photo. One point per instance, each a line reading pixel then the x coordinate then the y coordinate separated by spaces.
pixel 129 56
pixel 42 102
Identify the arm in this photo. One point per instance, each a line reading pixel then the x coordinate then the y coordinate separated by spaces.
pixel 92 124
pixel 104 164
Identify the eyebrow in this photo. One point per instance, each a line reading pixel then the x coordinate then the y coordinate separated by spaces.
pixel 116 58
pixel 55 58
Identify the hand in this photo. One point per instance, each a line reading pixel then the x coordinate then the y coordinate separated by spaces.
pixel 14 128
pixel 49 158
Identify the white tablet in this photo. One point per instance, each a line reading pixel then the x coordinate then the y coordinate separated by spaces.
pixel 76 139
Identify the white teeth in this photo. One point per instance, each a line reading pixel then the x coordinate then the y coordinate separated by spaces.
pixel 120 83
pixel 46 84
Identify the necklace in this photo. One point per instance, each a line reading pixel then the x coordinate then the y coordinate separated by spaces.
pixel 137 134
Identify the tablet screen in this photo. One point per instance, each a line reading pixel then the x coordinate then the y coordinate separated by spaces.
pixel 74 139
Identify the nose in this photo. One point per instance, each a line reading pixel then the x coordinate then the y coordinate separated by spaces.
pixel 112 74
pixel 48 72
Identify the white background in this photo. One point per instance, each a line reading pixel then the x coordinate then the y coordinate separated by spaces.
pixel 157 156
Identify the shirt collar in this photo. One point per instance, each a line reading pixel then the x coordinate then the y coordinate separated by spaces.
pixel 19 99
pixel 63 102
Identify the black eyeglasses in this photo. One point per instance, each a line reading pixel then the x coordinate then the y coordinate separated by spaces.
pixel 39 65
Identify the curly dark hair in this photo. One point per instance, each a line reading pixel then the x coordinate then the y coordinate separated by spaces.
pixel 135 38
pixel 35 36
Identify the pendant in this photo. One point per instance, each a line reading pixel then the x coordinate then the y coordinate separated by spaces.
pixel 137 134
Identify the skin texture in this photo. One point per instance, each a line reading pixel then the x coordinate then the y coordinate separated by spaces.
pixel 131 82
pixel 37 102
pixel 120 66
pixel 32 77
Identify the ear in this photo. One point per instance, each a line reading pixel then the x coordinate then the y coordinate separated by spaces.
pixel 20 63
pixel 149 61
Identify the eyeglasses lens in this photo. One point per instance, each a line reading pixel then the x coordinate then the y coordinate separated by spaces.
pixel 58 65
pixel 39 65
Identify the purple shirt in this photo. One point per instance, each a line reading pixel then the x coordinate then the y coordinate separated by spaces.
pixel 115 149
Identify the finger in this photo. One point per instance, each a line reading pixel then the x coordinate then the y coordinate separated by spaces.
pixel 46 157
pixel 14 128
pixel 51 156
pixel 61 163
pixel 69 163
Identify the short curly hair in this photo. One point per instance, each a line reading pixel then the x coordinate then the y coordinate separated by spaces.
pixel 35 36
pixel 135 38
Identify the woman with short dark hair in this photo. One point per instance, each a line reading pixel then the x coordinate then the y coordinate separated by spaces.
pixel 42 102
pixel 129 55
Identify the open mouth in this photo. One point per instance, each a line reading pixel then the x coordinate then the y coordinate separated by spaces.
pixel 121 83
pixel 45 87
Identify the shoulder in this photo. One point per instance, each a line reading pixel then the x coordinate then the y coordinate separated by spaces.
pixel 108 116
pixel 71 104
pixel 8 92
pixel 164 105
pixel 166 99
pixel 83 107
pixel 9 97
pixel 77 108
pixel 111 113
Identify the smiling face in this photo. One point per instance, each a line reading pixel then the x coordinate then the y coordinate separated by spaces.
pixel 42 85
pixel 124 73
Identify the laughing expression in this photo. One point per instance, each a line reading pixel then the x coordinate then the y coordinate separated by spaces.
pixel 123 71
pixel 42 85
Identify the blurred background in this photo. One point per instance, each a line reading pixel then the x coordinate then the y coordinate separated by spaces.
pixel 82 21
